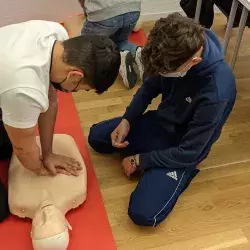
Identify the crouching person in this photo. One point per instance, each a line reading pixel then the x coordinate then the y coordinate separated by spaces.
pixel 185 64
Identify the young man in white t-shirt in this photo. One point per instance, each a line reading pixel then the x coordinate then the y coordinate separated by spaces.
pixel 36 58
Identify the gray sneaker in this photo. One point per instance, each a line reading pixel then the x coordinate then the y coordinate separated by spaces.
pixel 138 62
pixel 127 71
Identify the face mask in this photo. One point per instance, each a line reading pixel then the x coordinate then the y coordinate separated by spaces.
pixel 175 74
pixel 178 74
pixel 58 86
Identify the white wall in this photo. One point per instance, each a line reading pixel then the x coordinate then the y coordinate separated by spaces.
pixel 12 11
pixel 154 9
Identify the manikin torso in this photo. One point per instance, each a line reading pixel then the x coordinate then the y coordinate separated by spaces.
pixel 46 199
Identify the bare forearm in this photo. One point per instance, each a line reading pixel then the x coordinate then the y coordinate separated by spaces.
pixel 46 124
pixel 30 159
pixel 25 148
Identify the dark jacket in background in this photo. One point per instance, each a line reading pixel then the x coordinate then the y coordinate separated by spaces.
pixel 207 11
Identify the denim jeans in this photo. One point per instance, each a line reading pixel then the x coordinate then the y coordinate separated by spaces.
pixel 117 28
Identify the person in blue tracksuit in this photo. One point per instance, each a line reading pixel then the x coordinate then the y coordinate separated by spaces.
pixel 185 64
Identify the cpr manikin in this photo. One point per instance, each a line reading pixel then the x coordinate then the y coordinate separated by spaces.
pixel 47 199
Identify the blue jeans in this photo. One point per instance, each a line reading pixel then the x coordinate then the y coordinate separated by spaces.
pixel 159 188
pixel 117 28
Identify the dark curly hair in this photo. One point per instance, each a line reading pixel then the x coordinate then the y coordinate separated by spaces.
pixel 171 43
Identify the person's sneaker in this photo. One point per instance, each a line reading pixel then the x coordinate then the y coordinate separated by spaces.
pixel 127 71
pixel 138 62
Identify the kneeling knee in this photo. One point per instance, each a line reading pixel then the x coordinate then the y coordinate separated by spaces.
pixel 97 141
pixel 141 216
pixel 93 138
pixel 144 214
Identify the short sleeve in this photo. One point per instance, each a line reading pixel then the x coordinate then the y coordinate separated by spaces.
pixel 61 32
pixel 21 107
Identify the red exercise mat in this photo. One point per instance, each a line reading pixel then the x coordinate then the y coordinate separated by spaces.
pixel 138 38
pixel 91 229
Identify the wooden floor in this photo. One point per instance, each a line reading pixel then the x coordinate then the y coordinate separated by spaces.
pixel 214 212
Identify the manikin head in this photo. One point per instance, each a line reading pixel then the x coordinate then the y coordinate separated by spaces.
pixel 84 63
pixel 175 44
pixel 49 228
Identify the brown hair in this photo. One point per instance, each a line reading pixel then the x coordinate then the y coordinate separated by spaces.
pixel 98 57
pixel 171 43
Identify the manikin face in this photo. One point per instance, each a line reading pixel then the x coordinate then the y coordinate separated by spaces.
pixel 49 228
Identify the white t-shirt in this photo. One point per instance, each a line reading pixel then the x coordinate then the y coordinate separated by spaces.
pixel 25 58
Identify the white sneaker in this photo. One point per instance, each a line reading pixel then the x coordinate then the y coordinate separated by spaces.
pixel 138 62
pixel 127 71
